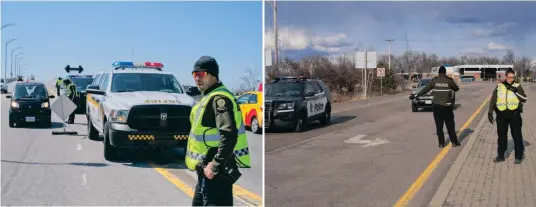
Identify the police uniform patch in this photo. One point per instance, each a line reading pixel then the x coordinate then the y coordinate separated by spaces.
pixel 221 103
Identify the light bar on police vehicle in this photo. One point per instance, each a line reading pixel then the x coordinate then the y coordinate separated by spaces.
pixel 122 64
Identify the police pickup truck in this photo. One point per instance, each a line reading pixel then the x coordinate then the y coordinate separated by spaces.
pixel 295 101
pixel 138 106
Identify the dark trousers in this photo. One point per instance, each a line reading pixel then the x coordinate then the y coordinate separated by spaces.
pixel 444 115
pixel 57 91
pixel 513 120
pixel 215 192
pixel 71 116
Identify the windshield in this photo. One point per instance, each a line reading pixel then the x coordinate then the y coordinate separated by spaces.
pixel 29 91
pixel 283 89
pixel 81 83
pixel 129 82
pixel 424 82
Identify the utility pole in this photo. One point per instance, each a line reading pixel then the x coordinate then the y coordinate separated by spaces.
pixel 390 40
pixel 276 37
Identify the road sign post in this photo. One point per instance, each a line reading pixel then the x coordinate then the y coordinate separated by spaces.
pixel 63 107
pixel 365 60
pixel 380 72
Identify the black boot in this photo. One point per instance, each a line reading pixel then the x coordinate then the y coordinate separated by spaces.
pixel 498 159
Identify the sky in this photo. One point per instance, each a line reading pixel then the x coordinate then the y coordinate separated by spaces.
pixel 444 28
pixel 96 34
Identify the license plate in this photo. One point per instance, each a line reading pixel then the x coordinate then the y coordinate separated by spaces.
pixel 428 102
pixel 30 119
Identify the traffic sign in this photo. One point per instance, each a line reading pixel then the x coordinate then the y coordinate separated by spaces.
pixel 368 57
pixel 63 107
pixel 380 72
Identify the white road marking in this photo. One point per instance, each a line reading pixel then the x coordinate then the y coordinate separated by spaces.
pixel 79 147
pixel 366 143
pixel 298 143
pixel 84 179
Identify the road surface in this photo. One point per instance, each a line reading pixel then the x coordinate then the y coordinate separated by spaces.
pixel 39 168
pixel 370 155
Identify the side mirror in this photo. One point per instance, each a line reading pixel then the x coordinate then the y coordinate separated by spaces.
pixel 8 96
pixel 92 87
pixel 193 91
pixel 51 96
pixel 309 93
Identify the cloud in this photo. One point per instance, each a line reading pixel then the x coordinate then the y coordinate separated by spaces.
pixel 300 39
pixel 491 47
pixel 490 30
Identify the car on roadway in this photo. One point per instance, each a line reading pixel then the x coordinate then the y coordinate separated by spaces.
pixel 3 87
pixel 138 106
pixel 251 107
pixel 30 103
pixel 294 101
pixel 81 83
pixel 424 101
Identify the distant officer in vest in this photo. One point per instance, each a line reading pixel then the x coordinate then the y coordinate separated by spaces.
pixel 217 144
pixel 443 88
pixel 507 102
pixel 59 82
pixel 71 92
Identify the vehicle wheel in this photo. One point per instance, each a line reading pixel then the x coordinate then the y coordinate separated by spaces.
pixel 300 124
pixel 326 119
pixel 414 108
pixel 110 152
pixel 11 123
pixel 255 125
pixel 92 133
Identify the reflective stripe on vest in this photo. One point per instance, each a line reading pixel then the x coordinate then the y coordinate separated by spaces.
pixel 201 136
pixel 506 99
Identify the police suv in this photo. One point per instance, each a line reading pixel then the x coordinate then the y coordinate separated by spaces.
pixel 138 106
pixel 295 101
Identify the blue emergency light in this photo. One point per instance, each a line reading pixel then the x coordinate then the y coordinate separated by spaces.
pixel 123 65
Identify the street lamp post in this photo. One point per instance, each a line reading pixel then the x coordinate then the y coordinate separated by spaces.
pixel 17 64
pixel 21 66
pixel 7 25
pixel 5 56
pixel 13 50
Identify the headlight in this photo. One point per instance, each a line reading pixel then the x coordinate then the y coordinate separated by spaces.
pixel 119 116
pixel 44 105
pixel 14 104
pixel 286 106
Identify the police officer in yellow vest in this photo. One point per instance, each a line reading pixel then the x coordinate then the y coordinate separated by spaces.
pixel 59 82
pixel 217 145
pixel 72 93
pixel 507 102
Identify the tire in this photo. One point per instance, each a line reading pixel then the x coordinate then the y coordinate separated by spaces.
pixel 11 123
pixel 300 123
pixel 414 108
pixel 92 133
pixel 326 119
pixel 110 152
pixel 255 125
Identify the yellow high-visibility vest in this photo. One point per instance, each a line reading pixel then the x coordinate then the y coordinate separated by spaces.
pixel 506 99
pixel 201 136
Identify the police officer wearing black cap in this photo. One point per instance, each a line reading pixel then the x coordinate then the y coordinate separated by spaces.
pixel 213 186
pixel 443 88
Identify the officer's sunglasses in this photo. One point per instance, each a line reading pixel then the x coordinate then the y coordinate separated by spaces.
pixel 510 77
pixel 199 74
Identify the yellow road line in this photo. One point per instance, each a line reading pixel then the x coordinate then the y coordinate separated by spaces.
pixel 173 179
pixel 237 190
pixel 417 185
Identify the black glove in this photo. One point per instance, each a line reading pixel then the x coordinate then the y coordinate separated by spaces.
pixel 412 97
pixel 513 89
pixel 490 118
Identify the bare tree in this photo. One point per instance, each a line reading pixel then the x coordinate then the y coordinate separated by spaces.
pixel 250 81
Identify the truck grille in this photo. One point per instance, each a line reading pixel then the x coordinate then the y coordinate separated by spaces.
pixel 268 112
pixel 149 118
